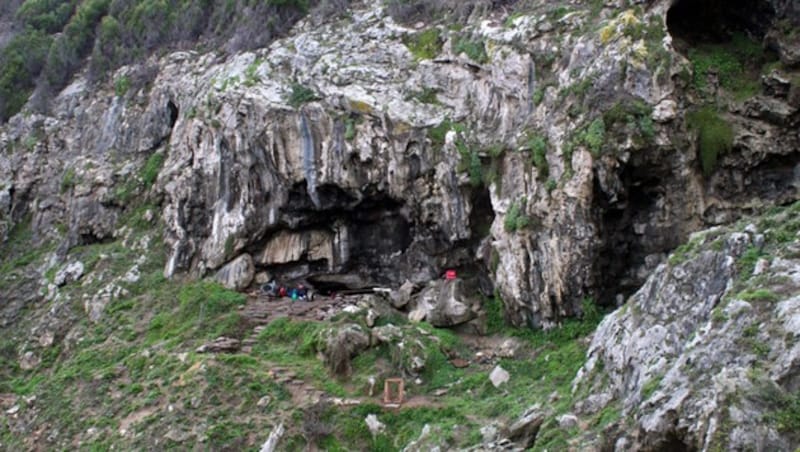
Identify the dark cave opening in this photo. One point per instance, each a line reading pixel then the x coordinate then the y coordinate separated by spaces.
pixel 636 232
pixel 374 239
pixel 172 110
pixel 716 21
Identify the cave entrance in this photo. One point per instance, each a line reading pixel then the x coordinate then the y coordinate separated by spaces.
pixel 639 225
pixel 695 22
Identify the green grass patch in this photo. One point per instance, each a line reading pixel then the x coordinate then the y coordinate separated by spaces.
pixel 737 63
pixel 472 47
pixel 515 218
pixel 538 148
pixel 424 45
pixel 152 168
pixel 301 95
pixel 714 136
pixel 758 295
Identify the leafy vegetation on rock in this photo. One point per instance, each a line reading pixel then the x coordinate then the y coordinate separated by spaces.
pixel 736 63
pixel 424 45
pixel 58 36
pixel 715 136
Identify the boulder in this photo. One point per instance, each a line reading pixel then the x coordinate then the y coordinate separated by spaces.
pixel 374 425
pixel 341 343
pixel 70 273
pixel 237 274
pixel 444 303
pixel 401 297
pixel 499 376
pixel 524 430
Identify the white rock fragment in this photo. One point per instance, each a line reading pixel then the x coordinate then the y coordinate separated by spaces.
pixel 499 376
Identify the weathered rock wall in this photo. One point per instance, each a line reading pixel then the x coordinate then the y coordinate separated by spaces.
pixel 706 352
pixel 338 151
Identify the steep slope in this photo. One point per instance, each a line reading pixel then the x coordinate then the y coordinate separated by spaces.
pixel 705 356
pixel 552 145
pixel 549 153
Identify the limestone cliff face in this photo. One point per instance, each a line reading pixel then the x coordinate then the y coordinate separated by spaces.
pixel 706 352
pixel 551 158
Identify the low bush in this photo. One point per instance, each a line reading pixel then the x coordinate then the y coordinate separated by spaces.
pixel 714 136
pixel 424 45
pixel 300 95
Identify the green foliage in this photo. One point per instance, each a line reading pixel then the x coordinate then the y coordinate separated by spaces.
pixel 758 295
pixel 538 96
pixel 48 16
pixel 737 64
pixel 471 163
pixel 747 262
pixel 301 95
pixel 349 129
pixel 301 5
pixel 68 181
pixel 685 251
pixel 438 133
pixel 21 61
pixel 121 85
pixel 205 310
pixel 578 89
pixel 58 35
pixel 515 217
pixel 230 242
pixel 427 96
pixel 301 335
pixel 424 45
pixel 251 73
pixel 630 117
pixel 650 387
pixel 786 417
pixel 594 136
pixel 538 147
pixel 715 136
pixel 473 48
pixel 152 168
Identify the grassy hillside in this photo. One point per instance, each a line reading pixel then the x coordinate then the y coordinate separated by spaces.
pixel 134 379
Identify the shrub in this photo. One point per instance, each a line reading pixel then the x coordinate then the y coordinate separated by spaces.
pixel 473 48
pixel 735 62
pixel 424 45
pixel 714 134
pixel 151 168
pixel 515 217
pixel 121 85
pixel 68 181
pixel 538 147
pixel 21 61
pixel 301 95
pixel 471 163
pixel 594 136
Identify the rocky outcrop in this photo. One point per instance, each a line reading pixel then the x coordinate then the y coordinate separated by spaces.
pixel 556 161
pixel 706 353
pixel 444 303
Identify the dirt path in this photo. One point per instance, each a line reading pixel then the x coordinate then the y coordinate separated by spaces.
pixel 260 309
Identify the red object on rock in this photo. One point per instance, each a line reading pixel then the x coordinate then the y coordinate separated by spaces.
pixel 450 274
